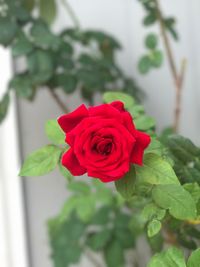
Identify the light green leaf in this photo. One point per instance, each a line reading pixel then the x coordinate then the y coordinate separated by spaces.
pixel 194 190
pixel 156 170
pixel 79 187
pixel 151 211
pixel 54 132
pixel 128 100
pixel 144 123
pixel 48 10
pixel 126 185
pixel 155 147
pixel 156 58
pixel 64 172
pixel 173 257
pixel 175 198
pixel 153 227
pixel 41 161
pixel 194 259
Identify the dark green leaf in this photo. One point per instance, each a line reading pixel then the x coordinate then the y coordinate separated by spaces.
pixel 126 185
pixel 8 30
pixel 114 254
pixel 151 41
pixel 99 240
pixel 4 103
pixel 21 46
pixel 144 64
pixel 156 58
pixel 23 86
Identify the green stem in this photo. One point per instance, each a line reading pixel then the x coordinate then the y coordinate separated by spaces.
pixel 71 13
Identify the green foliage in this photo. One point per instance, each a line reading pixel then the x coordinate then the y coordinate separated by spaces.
pixel 41 161
pixel 156 170
pixel 176 199
pixel 65 241
pixel 53 60
pixel 54 132
pixel 173 257
pixel 126 185
pixel 153 227
pixel 194 259
pixel 4 106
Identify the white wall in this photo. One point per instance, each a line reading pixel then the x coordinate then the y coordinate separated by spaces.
pixel 44 196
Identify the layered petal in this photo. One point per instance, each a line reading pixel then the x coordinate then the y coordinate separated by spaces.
pixel 118 105
pixel 142 142
pixel 70 161
pixel 68 121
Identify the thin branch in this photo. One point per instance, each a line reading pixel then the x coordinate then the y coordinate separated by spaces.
pixel 177 77
pixel 71 13
pixel 58 101
pixel 92 258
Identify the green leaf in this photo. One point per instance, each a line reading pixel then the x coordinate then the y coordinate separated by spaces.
pixel 54 133
pixel 42 36
pixel 21 46
pixel 153 227
pixel 23 86
pixel 65 173
pixel 65 241
pixel 102 215
pixel 79 187
pixel 126 185
pixel 156 170
pixel 175 198
pixel 194 259
pixel 8 30
pixel 173 257
pixel 150 19
pixel 194 190
pixel 48 10
pixel 29 4
pixel 151 211
pixel 99 240
pixel 67 82
pixel 155 147
pixel 41 161
pixel 68 207
pixel 40 65
pixel 4 104
pixel 128 100
pixel 114 254
pixel 144 123
pixel 151 41
pixel 85 208
pixel 144 64
pixel 156 58
pixel 125 238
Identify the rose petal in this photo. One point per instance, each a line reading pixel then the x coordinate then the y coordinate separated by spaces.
pixel 142 142
pixel 105 111
pixel 70 161
pixel 118 105
pixel 68 121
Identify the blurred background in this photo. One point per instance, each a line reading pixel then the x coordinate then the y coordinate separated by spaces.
pixel 26 204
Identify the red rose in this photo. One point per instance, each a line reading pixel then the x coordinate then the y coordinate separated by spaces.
pixel 103 141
